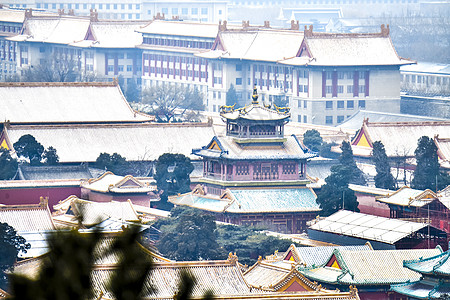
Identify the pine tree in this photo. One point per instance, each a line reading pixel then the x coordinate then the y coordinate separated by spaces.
pixel 384 178
pixel 28 147
pixel 8 165
pixel 50 157
pixel 346 159
pixel 231 97
pixel 427 170
pixel 312 140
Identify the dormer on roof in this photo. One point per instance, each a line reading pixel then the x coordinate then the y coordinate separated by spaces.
pixel 255 120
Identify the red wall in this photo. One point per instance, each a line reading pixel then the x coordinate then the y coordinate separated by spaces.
pixel 368 205
pixel 16 196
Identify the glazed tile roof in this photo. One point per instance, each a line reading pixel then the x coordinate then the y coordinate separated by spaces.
pixel 135 142
pixel 374 267
pixel 110 183
pixel 289 148
pixel 221 277
pixel 255 112
pixel 67 211
pixel 400 138
pixel 438 265
pixel 369 227
pixel 177 28
pixel 316 256
pixel 27 218
pixel 54 172
pixel 253 201
pixel 65 102
pixel 407 196
pixel 424 289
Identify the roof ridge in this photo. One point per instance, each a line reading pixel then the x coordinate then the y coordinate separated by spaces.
pixel 57 84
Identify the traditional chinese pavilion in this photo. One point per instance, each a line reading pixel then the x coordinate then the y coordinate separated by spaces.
pixel 254 174
pixel 435 281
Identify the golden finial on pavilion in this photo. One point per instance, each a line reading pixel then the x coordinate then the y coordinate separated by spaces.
pixel 255 96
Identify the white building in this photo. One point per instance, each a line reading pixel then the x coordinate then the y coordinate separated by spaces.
pixel 198 10
pixel 323 77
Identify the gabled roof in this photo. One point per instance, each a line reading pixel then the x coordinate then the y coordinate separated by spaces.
pixel 256 44
pixel 65 102
pixel 367 227
pixel 27 218
pixel 333 49
pixel 110 183
pixel 272 278
pixel 179 28
pixel 436 265
pixel 443 145
pixel 113 34
pixel 374 267
pixel 47 172
pixel 221 277
pixel 68 211
pixel 398 138
pixel 228 147
pixel 135 142
pixel 252 200
pixel 407 196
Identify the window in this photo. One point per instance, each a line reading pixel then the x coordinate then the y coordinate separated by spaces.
pixel 362 103
pixel 194 11
pixel 242 169
pixel 340 75
pixel 329 120
pixel 305 88
pixel 329 89
pixel 299 118
pixel 362 75
pixel 300 88
pixel 41 49
pixel 329 75
pixel 362 89
pixel 100 6
pixel 340 89
pixel 204 10
pixel 122 6
pixel 110 68
pixel 340 104
pixel 305 104
pixel 289 168
pixel 305 119
pixel 328 104
pixel 129 68
pixel 184 11
pixel 130 16
pixel 220 12
pixel 349 89
pixel 340 119
pixel 130 6
pixel 138 6
pixel 165 10
pixel 115 7
pixel 214 108
pixel 350 104
pixel 175 11
pixel 239 67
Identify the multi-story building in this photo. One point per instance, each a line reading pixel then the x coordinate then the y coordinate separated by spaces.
pixel 103 49
pixel 426 78
pixel 199 10
pixel 254 174
pixel 323 77
pixel 168 50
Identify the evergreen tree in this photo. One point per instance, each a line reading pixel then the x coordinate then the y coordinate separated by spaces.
pixel 312 140
pixel 427 170
pixel 114 163
pixel 384 178
pixel 189 234
pixel 346 159
pixel 231 97
pixel 50 157
pixel 172 175
pixel 335 194
pixel 29 148
pixel 11 244
pixel 8 165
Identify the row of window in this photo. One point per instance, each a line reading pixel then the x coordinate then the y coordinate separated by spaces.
pixel 184 11
pixel 315 2
pixel 340 89
pixel 340 104
pixel 88 6
pixel 174 59
pixel 426 79
pixel 344 75
pixel 177 43
pixel 339 119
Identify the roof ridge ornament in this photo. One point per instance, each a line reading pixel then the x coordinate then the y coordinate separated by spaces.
pixel 255 95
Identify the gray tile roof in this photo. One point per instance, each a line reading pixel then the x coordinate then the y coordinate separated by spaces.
pixel 54 172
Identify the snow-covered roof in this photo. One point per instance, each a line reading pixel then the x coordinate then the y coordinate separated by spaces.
pixel 116 34
pixel 427 67
pixel 65 102
pixel 179 28
pixel 135 142
pixel 110 183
